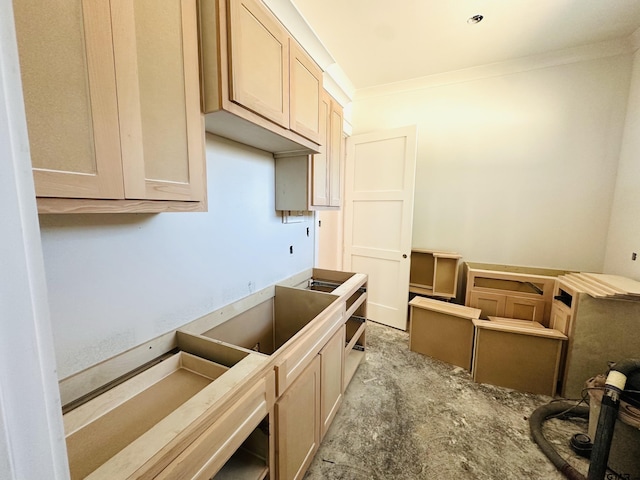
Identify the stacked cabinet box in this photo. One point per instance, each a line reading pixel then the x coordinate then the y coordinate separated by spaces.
pixel 434 273
pixel 600 314
pixel 442 330
pixel 112 105
pixel 511 291
pixel 524 357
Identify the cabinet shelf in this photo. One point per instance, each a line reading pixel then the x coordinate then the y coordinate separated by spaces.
pixel 434 274
pixel 243 465
pixel 352 361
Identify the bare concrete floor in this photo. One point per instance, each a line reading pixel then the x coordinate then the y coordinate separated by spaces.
pixel 406 416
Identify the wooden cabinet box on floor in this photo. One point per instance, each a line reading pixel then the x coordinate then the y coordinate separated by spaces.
pixel 600 314
pixel 511 291
pixel 523 357
pixel 434 273
pixel 442 330
pixel 259 87
pixel 112 105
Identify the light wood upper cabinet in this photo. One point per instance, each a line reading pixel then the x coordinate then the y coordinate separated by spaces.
pixel 335 145
pixel 113 111
pixel 314 182
pixel 259 61
pixel 306 91
pixel 70 98
pixel 320 161
pixel 258 86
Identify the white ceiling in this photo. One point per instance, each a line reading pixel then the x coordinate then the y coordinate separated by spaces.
pixel 377 42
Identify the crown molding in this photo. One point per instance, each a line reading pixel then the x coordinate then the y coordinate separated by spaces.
pixel 336 81
pixel 560 57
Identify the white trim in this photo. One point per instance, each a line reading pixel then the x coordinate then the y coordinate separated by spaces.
pixel 336 82
pixel 31 432
pixel 572 55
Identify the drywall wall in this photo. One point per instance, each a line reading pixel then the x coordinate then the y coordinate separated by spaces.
pixel 116 281
pixel 624 229
pixel 31 431
pixel 514 168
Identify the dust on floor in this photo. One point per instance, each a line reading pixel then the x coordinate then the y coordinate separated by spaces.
pixel 406 416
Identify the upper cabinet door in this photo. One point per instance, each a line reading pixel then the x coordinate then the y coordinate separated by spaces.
pixel 69 87
pixel 259 61
pixel 320 161
pixel 336 146
pixel 306 88
pixel 156 58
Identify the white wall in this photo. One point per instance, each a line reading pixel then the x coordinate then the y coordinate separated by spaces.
pixel 624 230
pixel 116 281
pixel 514 168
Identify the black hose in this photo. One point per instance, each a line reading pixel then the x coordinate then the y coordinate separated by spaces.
pixel 539 416
pixel 613 388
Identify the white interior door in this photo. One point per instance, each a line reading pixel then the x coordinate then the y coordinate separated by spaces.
pixel 378 217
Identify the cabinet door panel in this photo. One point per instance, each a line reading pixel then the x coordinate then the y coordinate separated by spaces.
pixel 490 304
pixel 69 85
pixel 298 424
pixel 335 157
pixel 525 308
pixel 331 372
pixel 259 61
pixel 306 88
pixel 320 173
pixel 155 45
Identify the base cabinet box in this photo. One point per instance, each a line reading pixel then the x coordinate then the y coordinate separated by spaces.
pixel 442 330
pixel 524 358
pixel 245 393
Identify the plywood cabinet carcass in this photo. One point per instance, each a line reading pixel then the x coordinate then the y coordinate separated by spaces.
pixel 314 182
pixel 434 273
pixel 250 394
pixel 112 106
pixel 600 315
pixel 511 291
pixel 259 87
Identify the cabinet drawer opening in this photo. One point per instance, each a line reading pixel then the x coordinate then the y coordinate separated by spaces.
pixel 564 297
pixel 104 426
pixel 509 285
pixel 250 461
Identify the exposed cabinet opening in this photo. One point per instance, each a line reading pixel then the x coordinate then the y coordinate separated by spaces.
pixel 251 460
